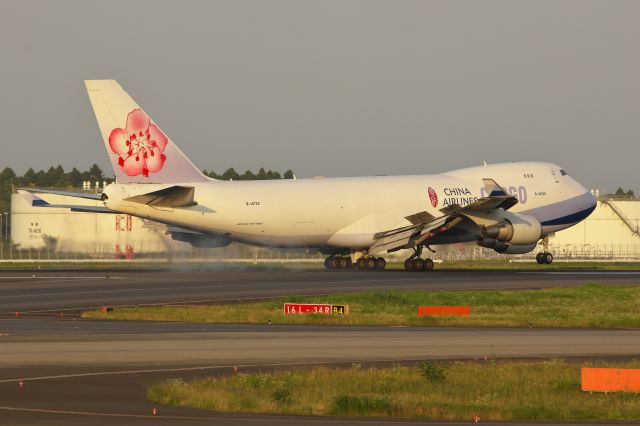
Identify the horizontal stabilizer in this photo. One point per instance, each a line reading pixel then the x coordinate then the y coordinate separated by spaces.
pixel 35 201
pixel 173 196
pixel 85 195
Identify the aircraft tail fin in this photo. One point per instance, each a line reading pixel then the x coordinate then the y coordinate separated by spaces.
pixel 139 151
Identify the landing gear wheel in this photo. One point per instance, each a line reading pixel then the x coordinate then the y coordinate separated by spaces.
pixel 370 263
pixel 343 263
pixel 327 263
pixel 408 264
pixel 361 264
pixel 544 258
pixel 380 264
pixel 418 264
pixel 428 265
pixel 335 263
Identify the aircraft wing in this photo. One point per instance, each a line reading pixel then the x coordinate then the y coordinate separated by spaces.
pixel 425 225
pixel 36 201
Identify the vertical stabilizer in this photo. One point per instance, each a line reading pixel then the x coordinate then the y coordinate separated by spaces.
pixel 139 151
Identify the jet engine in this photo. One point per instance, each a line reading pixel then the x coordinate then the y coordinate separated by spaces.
pixel 515 229
pixel 505 248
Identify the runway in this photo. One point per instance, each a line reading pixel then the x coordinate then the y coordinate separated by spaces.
pixel 42 291
pixel 92 372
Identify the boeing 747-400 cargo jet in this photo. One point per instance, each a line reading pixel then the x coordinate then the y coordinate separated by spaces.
pixel 506 207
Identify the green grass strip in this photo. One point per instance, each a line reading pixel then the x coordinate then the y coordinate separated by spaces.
pixel 493 390
pixel 593 305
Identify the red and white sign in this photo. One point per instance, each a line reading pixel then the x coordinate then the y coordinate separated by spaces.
pixel 433 197
pixel 307 308
pixel 315 308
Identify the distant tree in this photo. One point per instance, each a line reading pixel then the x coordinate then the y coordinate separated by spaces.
pixel 261 175
pixel 288 174
pixel 230 174
pixel 7 174
pixel 272 174
pixel 95 174
pixel 630 193
pixel 41 178
pixel 248 175
pixel 619 191
pixel 30 176
pixel 74 178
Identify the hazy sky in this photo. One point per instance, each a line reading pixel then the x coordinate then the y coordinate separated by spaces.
pixel 333 88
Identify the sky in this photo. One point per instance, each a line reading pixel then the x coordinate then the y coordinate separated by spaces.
pixel 332 87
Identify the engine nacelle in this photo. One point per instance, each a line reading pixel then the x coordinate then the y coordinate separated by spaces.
pixel 505 248
pixel 515 229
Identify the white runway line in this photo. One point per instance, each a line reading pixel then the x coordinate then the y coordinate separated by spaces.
pixel 272 418
pixel 580 272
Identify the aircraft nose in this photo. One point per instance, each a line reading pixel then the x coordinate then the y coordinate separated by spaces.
pixel 589 200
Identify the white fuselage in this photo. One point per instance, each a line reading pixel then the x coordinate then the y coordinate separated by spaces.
pixel 348 212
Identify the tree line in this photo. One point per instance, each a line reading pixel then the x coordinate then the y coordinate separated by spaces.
pixel 623 194
pixel 57 177
pixel 231 174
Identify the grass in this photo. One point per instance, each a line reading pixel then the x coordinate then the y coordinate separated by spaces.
pixel 493 390
pixel 593 305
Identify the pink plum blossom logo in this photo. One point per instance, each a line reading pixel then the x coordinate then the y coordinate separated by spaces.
pixel 140 145
pixel 433 197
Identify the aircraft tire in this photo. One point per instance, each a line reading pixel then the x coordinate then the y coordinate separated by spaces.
pixel 335 263
pixel 548 258
pixel 380 264
pixel 408 264
pixel 360 264
pixel 539 258
pixel 370 263
pixel 428 265
pixel 343 263
pixel 418 264
pixel 327 263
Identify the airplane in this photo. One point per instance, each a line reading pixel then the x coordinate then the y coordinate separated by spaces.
pixel 508 207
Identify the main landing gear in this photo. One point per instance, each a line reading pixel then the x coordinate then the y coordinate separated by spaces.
pixel 338 262
pixel 544 258
pixel 364 263
pixel 416 263
pixel 371 263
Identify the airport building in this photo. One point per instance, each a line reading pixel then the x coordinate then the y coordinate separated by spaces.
pixel 610 232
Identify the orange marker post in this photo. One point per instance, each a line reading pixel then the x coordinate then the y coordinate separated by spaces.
pixel 610 380
pixel 443 310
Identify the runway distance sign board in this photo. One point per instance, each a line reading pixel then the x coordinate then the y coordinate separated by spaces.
pixel 315 308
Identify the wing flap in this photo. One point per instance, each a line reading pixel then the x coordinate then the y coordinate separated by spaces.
pixel 173 196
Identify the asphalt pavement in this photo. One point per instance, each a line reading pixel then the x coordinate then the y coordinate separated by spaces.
pixel 78 372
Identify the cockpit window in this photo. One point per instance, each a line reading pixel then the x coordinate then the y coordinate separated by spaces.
pixel 563 173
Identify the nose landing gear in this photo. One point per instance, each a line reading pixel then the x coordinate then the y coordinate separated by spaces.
pixel 544 258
